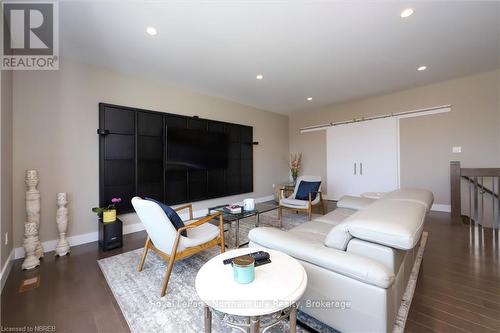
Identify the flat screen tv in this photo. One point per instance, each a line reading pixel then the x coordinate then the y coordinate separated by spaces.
pixel 190 149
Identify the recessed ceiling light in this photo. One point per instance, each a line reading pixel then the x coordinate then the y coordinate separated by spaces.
pixel 259 77
pixel 151 31
pixel 309 98
pixel 407 12
pixel 422 68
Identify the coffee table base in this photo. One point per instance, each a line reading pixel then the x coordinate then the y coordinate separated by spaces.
pixel 253 324
pixel 230 218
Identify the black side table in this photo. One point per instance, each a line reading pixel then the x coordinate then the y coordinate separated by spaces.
pixel 110 235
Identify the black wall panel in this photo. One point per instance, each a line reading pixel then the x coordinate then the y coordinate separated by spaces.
pixel 216 179
pixel 197 185
pixel 197 123
pixel 118 120
pixel 117 156
pixel 150 147
pixel 246 159
pixel 176 190
pixel 133 152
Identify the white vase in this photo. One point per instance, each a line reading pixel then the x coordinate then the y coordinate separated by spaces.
pixel 62 247
pixel 30 241
pixel 33 206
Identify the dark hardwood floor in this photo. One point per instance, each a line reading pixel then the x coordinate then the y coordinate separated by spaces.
pixel 73 295
pixel 458 288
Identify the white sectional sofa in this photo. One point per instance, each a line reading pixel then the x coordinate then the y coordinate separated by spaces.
pixel 358 258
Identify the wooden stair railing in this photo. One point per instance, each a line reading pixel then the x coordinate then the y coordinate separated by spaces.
pixel 477 187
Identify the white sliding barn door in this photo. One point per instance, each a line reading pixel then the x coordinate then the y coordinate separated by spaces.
pixel 362 157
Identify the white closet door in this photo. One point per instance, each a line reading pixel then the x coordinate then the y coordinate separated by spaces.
pixel 380 155
pixel 342 160
pixel 362 157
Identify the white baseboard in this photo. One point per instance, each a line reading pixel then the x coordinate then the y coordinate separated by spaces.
pixel 6 269
pixel 264 199
pixel 78 239
pixel 441 208
pixel 131 228
pixel 127 229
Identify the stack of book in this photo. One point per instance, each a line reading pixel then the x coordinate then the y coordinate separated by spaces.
pixel 233 209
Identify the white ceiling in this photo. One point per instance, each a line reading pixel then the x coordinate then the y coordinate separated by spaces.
pixel 332 51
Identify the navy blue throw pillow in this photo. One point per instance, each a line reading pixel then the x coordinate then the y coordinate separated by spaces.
pixel 172 216
pixel 305 188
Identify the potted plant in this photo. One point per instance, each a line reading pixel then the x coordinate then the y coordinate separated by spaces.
pixel 295 163
pixel 108 213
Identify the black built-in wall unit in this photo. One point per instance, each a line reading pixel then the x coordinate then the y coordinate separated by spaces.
pixel 133 158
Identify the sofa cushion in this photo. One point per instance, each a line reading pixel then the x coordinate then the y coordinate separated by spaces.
pixel 335 216
pixel 305 188
pixel 422 197
pixel 338 237
pixel 356 203
pixel 385 255
pixel 395 223
pixel 348 264
pixel 312 231
pixel 373 195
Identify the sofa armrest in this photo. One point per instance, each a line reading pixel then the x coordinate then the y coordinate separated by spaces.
pixel 354 266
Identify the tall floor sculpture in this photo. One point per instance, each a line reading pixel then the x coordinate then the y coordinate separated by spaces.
pixel 33 208
pixel 30 241
pixel 62 247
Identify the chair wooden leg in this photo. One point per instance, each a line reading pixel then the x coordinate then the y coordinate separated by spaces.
pixel 144 254
pixel 167 276
pixel 171 260
pixel 309 213
pixel 322 202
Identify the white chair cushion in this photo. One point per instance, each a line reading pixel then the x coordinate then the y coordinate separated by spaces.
pixel 294 203
pixel 156 222
pixel 198 235
pixel 356 203
pixel 335 216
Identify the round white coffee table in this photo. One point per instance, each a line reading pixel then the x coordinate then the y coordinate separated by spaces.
pixel 276 289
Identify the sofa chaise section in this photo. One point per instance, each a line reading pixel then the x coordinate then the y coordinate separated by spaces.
pixel 369 270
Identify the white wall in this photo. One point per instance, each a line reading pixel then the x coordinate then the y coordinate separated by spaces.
pixel 55 119
pixel 6 165
pixel 55 122
pixel 426 142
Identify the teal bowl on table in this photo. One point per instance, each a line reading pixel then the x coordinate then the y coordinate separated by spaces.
pixel 244 269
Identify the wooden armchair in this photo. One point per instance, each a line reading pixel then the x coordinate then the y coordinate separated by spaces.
pixel 168 242
pixel 292 203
